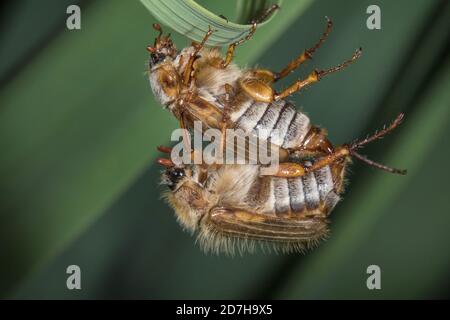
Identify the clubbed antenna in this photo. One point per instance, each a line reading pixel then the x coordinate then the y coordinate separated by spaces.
pixel 167 163
pixel 158 28
pixel 164 149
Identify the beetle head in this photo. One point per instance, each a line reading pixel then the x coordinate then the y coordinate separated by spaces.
pixel 162 47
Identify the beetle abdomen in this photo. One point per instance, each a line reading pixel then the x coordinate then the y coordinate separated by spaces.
pixel 312 192
pixel 278 120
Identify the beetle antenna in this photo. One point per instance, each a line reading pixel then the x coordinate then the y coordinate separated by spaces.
pixel 167 163
pixel 158 28
pixel 164 149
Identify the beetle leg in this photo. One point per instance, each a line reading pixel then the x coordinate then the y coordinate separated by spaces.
pixel 379 134
pixel 266 14
pixel 232 47
pixel 315 142
pixel 287 170
pixel 186 134
pixel 294 169
pixel 270 76
pixel 306 55
pixel 257 89
pixel 291 170
pixel 187 76
pixel 258 86
pixel 340 153
pixel 225 115
pixel 315 76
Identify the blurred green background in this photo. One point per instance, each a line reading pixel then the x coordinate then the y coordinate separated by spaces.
pixel 79 127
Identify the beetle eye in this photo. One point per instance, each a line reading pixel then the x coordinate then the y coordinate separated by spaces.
pixel 157 57
pixel 174 175
pixel 177 173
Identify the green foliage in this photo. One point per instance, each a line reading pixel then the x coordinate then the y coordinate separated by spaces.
pixel 189 18
pixel 79 127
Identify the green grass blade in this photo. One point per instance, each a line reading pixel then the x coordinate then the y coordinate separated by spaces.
pixel 189 18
